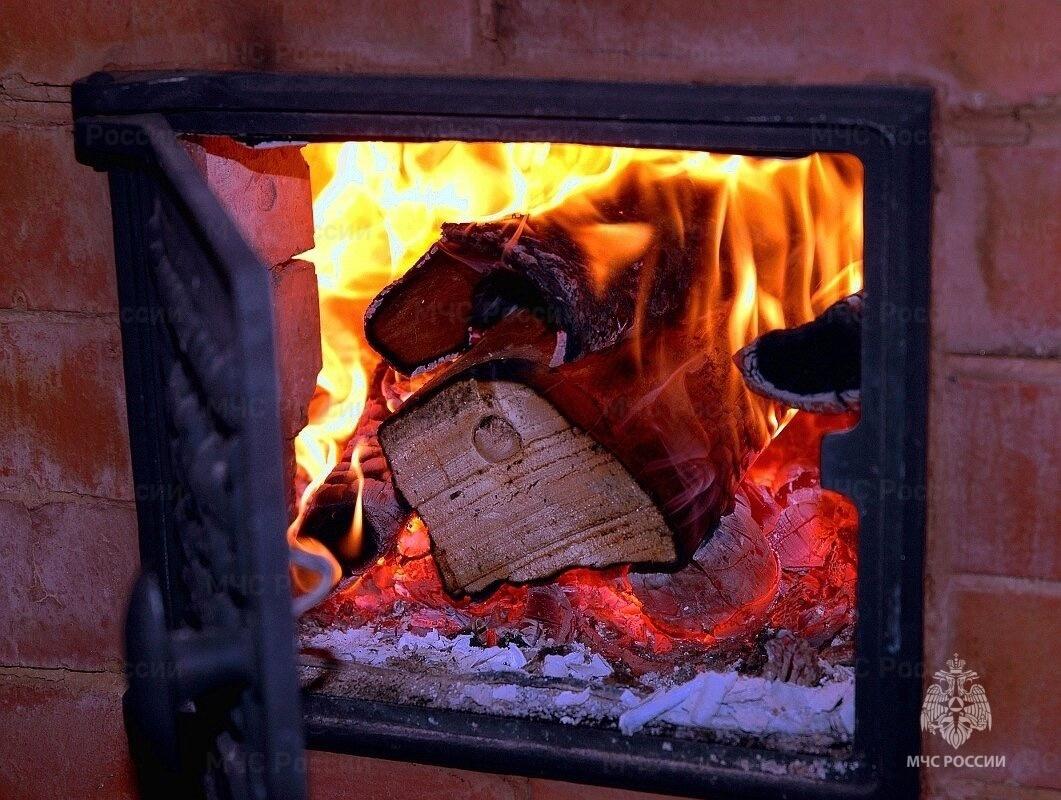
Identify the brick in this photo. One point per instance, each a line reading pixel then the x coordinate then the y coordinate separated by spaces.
pixel 1044 123
pixel 63 599
pixel 949 787
pixel 339 777
pixel 1000 54
pixel 57 239
pixel 1007 630
pixel 998 127
pixel 265 190
pixel 335 35
pixel 557 790
pixel 62 417
pixel 1036 126
pixel 298 340
pixel 996 240
pixel 994 464
pixel 332 776
pixel 61 735
pixel 298 353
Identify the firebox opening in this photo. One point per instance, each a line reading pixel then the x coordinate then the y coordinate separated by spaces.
pixel 564 449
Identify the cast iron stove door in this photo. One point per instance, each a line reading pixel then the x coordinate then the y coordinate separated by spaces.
pixel 213 705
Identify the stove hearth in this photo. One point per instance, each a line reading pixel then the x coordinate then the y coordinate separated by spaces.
pixel 579 407
pixel 556 468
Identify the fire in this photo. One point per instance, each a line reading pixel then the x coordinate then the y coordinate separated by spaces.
pixel 784 239
pixel 654 623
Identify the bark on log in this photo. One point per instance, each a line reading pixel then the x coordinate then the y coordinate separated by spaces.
pixel 814 367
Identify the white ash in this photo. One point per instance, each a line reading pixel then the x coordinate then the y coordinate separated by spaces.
pixel 367 645
pixel 573 685
pixel 579 663
pixel 728 701
pixel 694 702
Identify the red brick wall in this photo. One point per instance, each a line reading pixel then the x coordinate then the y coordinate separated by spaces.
pixel 67 528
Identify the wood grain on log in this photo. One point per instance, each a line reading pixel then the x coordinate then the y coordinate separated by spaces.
pixel 510 490
pixel 425 315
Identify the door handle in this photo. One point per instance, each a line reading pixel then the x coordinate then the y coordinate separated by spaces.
pixel 167 668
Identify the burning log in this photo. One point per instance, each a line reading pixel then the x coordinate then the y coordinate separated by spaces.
pixel 331 515
pixel 728 585
pixel 509 488
pixel 478 273
pixel 523 493
pixel 425 315
pixel 814 367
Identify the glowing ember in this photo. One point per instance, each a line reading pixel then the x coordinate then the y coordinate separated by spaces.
pixel 805 581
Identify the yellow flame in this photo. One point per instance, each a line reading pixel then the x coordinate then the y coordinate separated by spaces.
pixel 356 533
pixel 784 237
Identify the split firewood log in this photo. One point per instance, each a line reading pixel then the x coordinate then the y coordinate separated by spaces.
pixel 508 487
pixel 475 275
pixel 814 367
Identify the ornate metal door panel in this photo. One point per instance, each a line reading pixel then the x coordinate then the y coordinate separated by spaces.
pixel 213 705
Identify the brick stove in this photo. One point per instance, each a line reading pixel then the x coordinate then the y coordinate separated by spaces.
pixel 439 650
pixel 994 346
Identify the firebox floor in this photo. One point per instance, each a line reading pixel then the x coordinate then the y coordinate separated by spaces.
pixel 572 685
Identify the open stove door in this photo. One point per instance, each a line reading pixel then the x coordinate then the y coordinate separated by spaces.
pixel 212 708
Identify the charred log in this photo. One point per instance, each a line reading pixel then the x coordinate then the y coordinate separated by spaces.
pixel 332 508
pixel 478 273
pixel 792 659
pixel 814 367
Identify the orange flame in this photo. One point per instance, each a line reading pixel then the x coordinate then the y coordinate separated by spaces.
pixel 783 238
